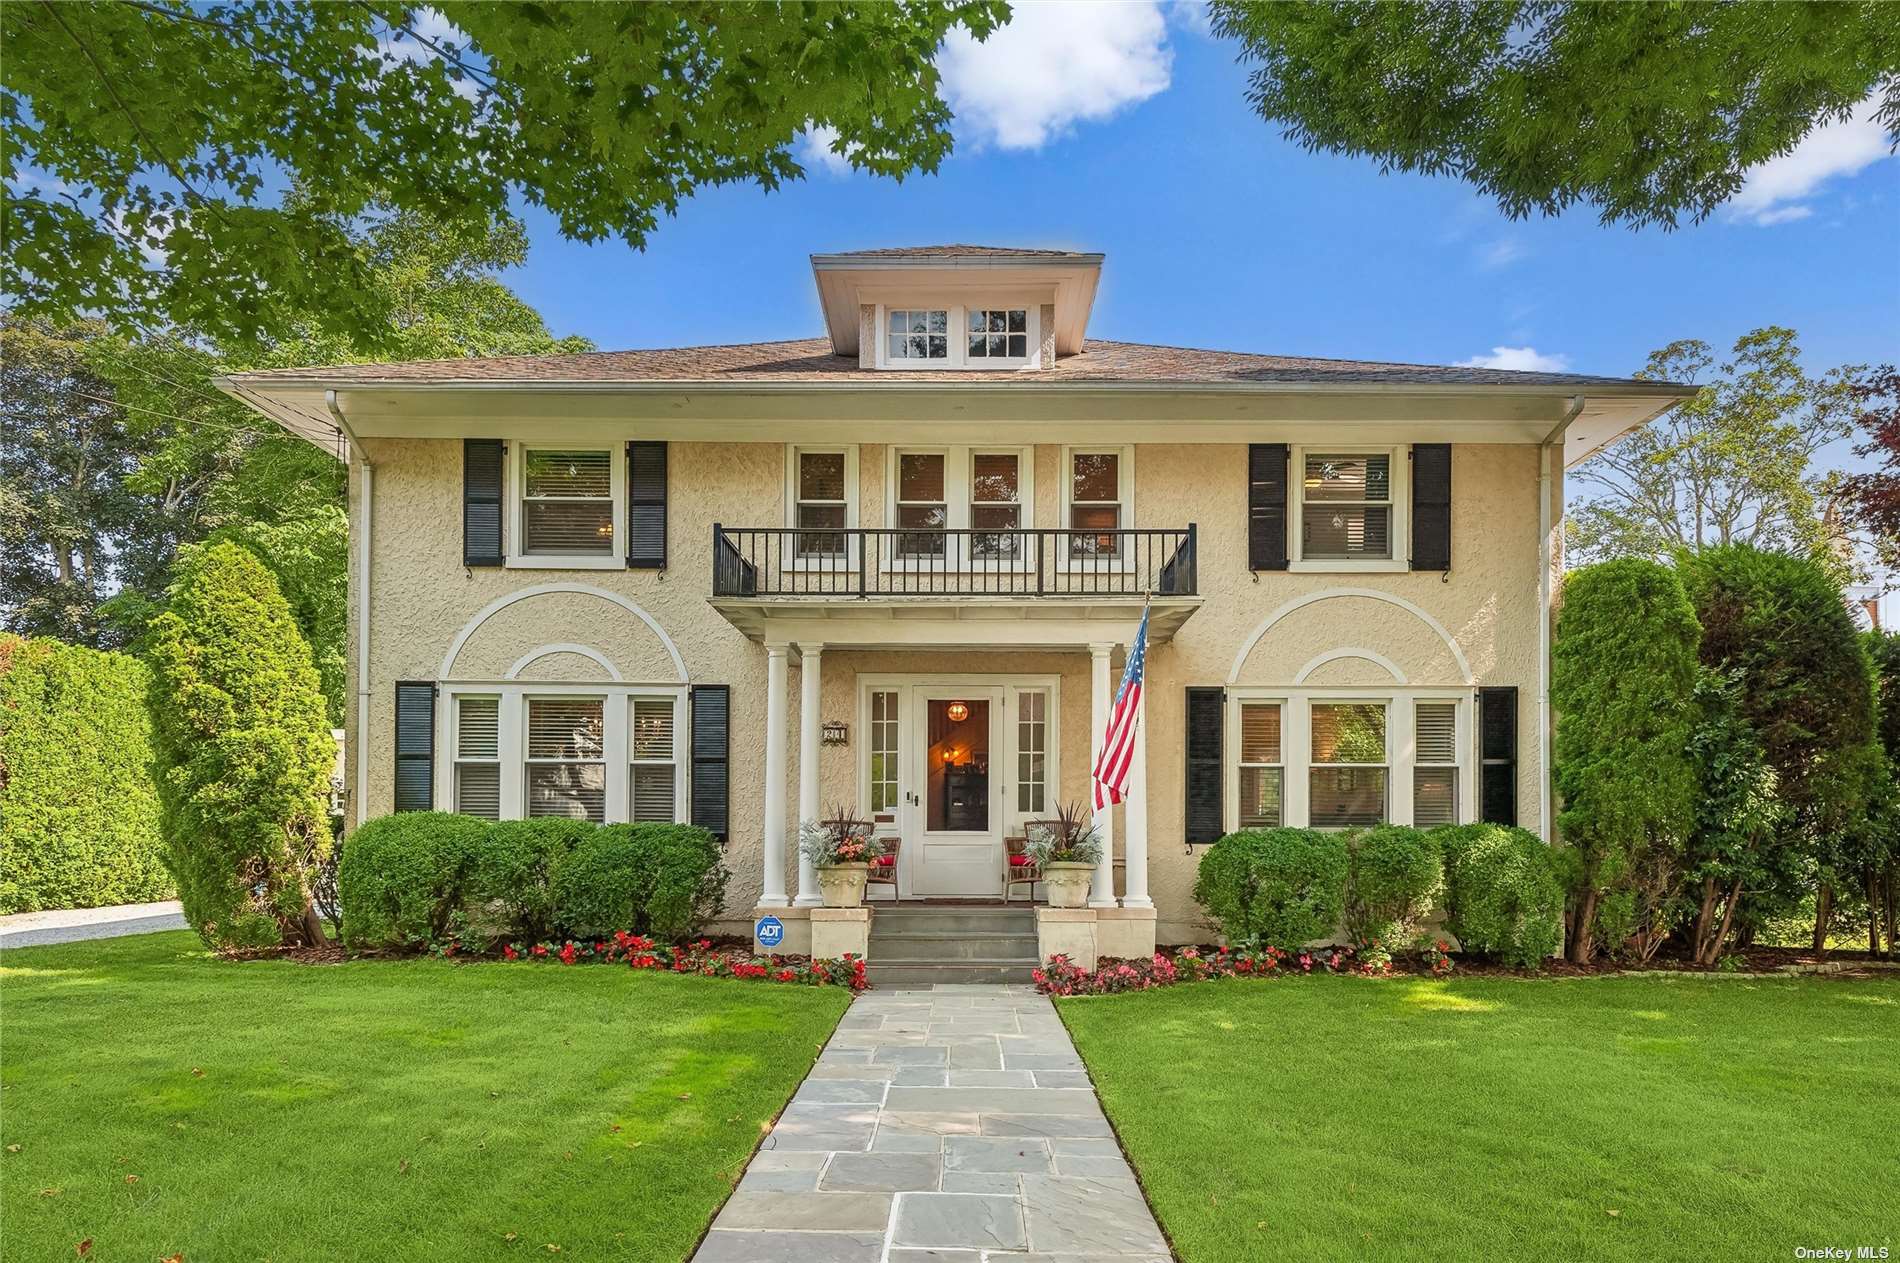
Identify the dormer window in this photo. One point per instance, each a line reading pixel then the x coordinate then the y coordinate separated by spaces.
pixel 999 334
pixel 919 334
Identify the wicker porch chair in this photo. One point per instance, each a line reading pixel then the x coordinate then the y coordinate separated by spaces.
pixel 883 874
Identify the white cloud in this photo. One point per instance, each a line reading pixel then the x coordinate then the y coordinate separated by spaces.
pixel 398 46
pixel 1056 63
pixel 1774 191
pixel 1520 359
pixel 1502 253
pixel 814 150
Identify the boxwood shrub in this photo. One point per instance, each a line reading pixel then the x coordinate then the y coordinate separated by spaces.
pixel 1393 883
pixel 661 880
pixel 1504 892
pixel 510 891
pixel 1275 887
pixel 404 878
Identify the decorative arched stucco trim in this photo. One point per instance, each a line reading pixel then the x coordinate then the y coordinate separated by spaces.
pixel 593 655
pixel 501 603
pixel 1301 602
pixel 1333 655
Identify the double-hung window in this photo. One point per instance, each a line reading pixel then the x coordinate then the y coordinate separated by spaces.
pixel 478 756
pixel 923 509
pixel 567 502
pixel 1262 774
pixel 652 748
pixel 1346 506
pixel 1434 763
pixel 1096 503
pixel 565 772
pixel 1347 779
pixel 917 334
pixel 996 510
pixel 820 485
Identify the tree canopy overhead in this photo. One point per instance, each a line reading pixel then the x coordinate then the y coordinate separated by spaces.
pixel 150 142
pixel 1649 112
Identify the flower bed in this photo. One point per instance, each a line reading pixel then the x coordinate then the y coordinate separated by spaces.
pixel 1192 964
pixel 701 957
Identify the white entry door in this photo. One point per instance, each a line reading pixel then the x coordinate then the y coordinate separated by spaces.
pixel 954 802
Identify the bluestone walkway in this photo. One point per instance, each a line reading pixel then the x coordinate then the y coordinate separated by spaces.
pixel 954 1125
pixel 71 925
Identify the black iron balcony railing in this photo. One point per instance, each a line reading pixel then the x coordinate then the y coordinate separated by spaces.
pixel 890 561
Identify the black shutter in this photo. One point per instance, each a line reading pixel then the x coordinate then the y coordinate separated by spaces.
pixel 1497 755
pixel 482 464
pixel 712 758
pixel 1206 815
pixel 646 506
pixel 1266 506
pixel 415 746
pixel 1431 506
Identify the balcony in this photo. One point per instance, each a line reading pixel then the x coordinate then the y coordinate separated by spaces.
pixel 1076 583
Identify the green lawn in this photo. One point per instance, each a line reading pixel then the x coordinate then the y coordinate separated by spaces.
pixel 1334 1118
pixel 401 1110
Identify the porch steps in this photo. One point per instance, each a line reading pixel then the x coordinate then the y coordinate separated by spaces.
pixel 929 945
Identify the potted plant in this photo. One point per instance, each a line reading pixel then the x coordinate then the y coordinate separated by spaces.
pixel 842 848
pixel 1065 851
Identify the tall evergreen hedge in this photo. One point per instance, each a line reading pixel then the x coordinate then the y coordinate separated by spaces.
pixel 244 752
pixel 78 809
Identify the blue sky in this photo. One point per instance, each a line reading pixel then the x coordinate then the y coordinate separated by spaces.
pixel 1138 143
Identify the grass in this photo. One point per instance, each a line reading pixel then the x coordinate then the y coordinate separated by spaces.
pixel 1331 1118
pixel 399 1110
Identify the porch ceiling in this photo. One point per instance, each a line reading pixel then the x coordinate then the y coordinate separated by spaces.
pixel 963 623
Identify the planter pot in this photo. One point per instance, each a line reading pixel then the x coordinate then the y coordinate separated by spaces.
pixel 843 884
pixel 1068 884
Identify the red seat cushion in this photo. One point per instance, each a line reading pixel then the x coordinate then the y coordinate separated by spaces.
pixel 886 861
pixel 1019 861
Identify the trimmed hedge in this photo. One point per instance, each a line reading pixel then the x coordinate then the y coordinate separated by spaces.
pixel 1504 892
pixel 1394 881
pixel 419 878
pixel 1275 887
pixel 79 813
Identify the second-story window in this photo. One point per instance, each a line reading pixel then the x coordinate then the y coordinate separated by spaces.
pixel 1095 503
pixel 567 502
pixel 1346 506
pixel 996 504
pixel 918 334
pixel 922 510
pixel 821 504
pixel 998 333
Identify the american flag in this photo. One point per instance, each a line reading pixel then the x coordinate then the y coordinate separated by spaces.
pixel 1118 742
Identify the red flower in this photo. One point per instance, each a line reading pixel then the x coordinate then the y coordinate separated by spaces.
pixel 508 952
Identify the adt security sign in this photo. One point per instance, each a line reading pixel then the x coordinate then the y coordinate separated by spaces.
pixel 770 931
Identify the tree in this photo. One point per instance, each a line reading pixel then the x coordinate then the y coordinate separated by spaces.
pixel 1781 627
pixel 1739 844
pixel 1731 465
pixel 1881 845
pixel 1623 672
pixel 243 753
pixel 1873 498
pixel 148 138
pixel 1649 112
pixel 66 453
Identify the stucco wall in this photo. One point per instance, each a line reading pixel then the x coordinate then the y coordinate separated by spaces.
pixel 423 598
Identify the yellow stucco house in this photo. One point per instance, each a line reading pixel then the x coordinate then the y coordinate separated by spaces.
pixel 896 569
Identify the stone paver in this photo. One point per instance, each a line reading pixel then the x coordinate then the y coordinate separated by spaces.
pixel 953 1125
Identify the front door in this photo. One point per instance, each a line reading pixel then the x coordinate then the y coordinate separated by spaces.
pixel 956 806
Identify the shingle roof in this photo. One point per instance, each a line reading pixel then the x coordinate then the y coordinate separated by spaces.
pixel 812 360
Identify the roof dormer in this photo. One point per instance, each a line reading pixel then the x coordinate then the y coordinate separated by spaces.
pixel 949 308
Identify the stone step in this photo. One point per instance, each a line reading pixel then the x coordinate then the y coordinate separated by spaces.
pixel 953 920
pixel 916 945
pixel 960 973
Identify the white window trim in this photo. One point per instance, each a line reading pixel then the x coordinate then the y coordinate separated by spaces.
pixel 1126 468
pixel 958 481
pixel 1401 521
pixel 1296 747
pixel 617 713
pixel 518 558
pixel 457 760
pixel 958 317
pixel 821 565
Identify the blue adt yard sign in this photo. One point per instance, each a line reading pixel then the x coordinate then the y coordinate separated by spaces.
pixel 770 931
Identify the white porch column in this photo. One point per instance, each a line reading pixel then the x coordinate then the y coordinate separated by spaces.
pixel 1135 846
pixel 772 893
pixel 1102 891
pixel 809 657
